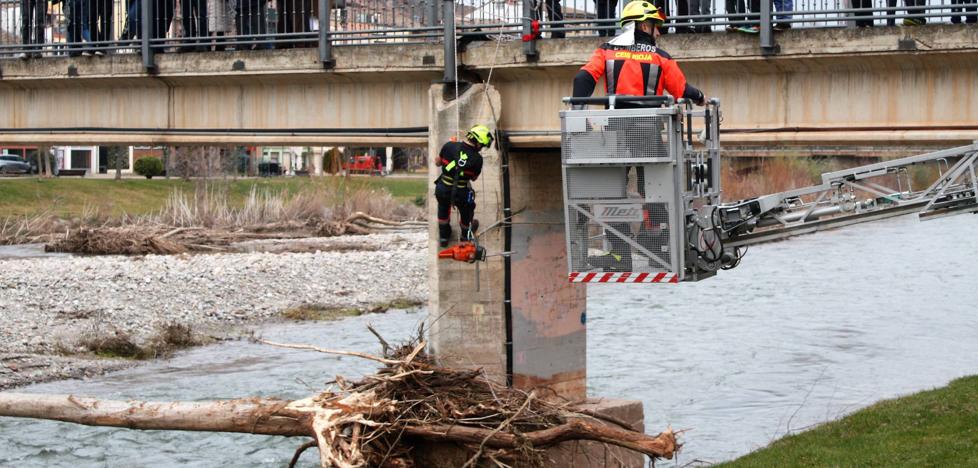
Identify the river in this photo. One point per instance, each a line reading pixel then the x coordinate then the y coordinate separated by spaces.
pixel 803 332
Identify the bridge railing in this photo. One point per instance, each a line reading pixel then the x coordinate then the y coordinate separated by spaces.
pixel 46 28
pixel 703 16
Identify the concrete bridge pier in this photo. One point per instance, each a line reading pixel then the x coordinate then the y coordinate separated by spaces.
pixel 516 317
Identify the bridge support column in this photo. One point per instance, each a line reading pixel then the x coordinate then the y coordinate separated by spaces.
pixel 467 311
pixel 548 312
pixel 517 317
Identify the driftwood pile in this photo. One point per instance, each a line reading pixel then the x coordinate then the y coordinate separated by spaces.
pixel 166 240
pixel 377 420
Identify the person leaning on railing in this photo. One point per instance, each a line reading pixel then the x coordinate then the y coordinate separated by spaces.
pixel 252 23
pixel 554 13
pixel 700 8
pixel 79 27
pixel 293 17
pixel 606 10
pixel 100 21
pixel 738 6
pixel 783 6
pixel 956 18
pixel 32 13
pixel 916 15
pixel 194 20
pixel 218 20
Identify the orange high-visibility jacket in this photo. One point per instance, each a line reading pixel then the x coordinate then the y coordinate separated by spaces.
pixel 636 70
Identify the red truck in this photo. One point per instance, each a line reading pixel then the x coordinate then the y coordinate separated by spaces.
pixel 363 164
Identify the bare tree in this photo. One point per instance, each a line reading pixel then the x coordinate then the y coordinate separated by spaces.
pixel 118 153
pixel 202 161
pixel 44 161
pixel 167 167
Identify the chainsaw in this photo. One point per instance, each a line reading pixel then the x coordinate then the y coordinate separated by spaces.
pixel 464 252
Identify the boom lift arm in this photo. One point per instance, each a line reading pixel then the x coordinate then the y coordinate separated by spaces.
pixel 857 195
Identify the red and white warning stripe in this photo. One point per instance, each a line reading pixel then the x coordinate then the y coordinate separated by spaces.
pixel 624 277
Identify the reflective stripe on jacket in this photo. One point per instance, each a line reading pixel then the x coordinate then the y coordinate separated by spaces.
pixel 460 163
pixel 636 70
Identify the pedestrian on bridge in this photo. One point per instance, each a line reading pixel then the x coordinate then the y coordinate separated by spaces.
pixel 32 16
pixel 460 164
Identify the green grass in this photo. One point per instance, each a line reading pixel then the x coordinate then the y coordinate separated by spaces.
pixel 70 197
pixel 320 312
pixel 169 338
pixel 933 428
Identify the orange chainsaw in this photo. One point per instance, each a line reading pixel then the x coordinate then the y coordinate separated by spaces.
pixel 464 252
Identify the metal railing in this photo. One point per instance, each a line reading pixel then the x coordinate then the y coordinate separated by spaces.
pixel 47 28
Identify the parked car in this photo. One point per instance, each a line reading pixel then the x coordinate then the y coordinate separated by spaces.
pixel 34 161
pixel 10 164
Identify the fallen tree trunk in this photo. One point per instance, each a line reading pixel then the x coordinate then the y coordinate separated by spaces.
pixel 268 416
pixel 247 415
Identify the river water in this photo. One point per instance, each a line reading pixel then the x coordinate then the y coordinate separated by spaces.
pixel 27 251
pixel 803 332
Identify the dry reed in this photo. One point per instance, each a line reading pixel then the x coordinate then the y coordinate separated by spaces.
pixel 318 210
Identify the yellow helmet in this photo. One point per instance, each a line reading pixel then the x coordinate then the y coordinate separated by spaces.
pixel 639 11
pixel 481 135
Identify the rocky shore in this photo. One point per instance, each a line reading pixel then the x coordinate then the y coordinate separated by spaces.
pixel 50 306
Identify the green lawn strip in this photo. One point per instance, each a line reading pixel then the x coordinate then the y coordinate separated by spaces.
pixel 932 428
pixel 70 197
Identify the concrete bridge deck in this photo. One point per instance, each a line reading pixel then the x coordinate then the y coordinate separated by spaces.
pixel 864 88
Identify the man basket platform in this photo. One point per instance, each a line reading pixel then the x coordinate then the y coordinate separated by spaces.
pixel 633 178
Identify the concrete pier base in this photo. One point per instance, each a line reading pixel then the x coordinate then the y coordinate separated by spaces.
pixel 575 454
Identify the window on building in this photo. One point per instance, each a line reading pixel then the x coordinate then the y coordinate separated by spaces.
pixel 80 159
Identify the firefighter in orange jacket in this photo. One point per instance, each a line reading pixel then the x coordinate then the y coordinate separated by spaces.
pixel 632 65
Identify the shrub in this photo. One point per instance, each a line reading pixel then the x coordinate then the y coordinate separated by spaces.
pixel 148 167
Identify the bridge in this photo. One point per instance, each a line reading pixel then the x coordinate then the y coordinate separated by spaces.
pixel 825 90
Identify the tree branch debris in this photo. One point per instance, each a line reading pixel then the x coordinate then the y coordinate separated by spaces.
pixel 374 421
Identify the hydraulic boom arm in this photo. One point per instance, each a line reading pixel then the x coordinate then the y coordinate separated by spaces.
pixel 857 195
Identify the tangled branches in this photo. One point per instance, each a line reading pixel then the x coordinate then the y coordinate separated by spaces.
pixel 373 421
pixel 143 239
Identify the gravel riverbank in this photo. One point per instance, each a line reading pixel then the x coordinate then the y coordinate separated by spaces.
pixel 49 305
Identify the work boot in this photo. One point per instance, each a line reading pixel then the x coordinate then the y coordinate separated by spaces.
pixel 468 234
pixel 444 234
pixel 611 262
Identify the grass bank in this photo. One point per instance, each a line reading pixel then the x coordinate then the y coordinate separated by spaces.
pixel 75 197
pixel 933 428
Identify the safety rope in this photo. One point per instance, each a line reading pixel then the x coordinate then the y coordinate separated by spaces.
pixel 499 38
pixel 458 111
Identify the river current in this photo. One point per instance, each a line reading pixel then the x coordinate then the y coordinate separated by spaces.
pixel 803 332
